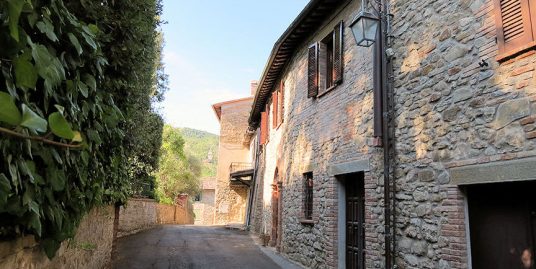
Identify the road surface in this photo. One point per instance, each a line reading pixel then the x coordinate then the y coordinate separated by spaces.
pixel 190 247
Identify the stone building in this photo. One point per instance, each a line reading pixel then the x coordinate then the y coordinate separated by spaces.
pixel 462 122
pixel 204 203
pixel 232 190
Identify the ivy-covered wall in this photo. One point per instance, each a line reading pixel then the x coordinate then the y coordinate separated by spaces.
pixel 78 83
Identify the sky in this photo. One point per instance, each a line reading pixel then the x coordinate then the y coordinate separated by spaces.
pixel 213 49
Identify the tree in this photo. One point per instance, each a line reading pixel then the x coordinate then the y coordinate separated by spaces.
pixel 78 83
pixel 178 172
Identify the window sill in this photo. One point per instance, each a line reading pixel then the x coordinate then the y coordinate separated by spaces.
pixel 515 52
pixel 327 90
pixel 307 222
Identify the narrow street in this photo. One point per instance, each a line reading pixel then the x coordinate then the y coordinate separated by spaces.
pixel 192 247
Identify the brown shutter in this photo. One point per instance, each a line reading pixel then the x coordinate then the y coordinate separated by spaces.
pixel 312 71
pixel 337 53
pixel 514 28
pixel 263 128
pixel 267 122
pixel 281 102
pixel 276 109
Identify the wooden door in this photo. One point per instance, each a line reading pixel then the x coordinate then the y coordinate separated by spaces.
pixel 275 214
pixel 355 219
pixel 502 222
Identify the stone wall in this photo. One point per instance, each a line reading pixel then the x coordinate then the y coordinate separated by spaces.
pixel 137 215
pixel 451 112
pixel 90 248
pixel 318 134
pixel 141 214
pixel 231 201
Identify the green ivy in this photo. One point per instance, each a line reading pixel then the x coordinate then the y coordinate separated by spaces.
pixel 65 113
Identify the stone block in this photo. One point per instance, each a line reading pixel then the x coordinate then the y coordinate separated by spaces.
pixel 510 111
pixel 512 170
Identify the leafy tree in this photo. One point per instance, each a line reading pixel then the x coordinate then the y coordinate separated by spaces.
pixel 178 172
pixel 77 85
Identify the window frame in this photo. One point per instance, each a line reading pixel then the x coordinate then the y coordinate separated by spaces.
pixel 308 198
pixel 325 59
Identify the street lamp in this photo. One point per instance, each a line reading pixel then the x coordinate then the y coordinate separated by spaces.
pixel 364 27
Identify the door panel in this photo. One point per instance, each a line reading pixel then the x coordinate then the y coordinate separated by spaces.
pixel 501 220
pixel 355 216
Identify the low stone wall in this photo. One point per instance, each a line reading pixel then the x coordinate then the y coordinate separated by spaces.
pixel 137 215
pixel 141 214
pixel 90 248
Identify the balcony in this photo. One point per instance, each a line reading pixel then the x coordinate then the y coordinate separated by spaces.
pixel 240 174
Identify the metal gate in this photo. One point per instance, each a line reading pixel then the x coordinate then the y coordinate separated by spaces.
pixel 502 225
pixel 355 218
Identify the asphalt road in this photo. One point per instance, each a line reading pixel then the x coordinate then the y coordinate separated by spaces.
pixel 190 247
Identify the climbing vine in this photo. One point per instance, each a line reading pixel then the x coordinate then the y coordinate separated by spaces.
pixel 66 108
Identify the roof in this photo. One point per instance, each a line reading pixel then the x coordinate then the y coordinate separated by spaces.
pixel 217 106
pixel 303 26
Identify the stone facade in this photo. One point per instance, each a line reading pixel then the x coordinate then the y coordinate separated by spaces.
pixel 90 248
pixel 451 112
pixel 204 208
pixel 452 119
pixel 231 200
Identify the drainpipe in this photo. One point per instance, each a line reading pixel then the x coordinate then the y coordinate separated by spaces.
pixel 384 67
pixel 253 183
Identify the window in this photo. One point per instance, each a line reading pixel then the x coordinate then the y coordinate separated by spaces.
pixel 324 65
pixel 308 196
pixel 279 107
pixel 516 31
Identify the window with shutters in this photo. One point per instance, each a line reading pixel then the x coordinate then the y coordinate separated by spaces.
pixel 325 63
pixel 516 27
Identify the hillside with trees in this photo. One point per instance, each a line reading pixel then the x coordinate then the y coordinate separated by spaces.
pixel 203 146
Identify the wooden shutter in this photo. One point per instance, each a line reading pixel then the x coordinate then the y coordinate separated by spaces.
pixel 337 53
pixel 514 26
pixel 312 71
pixel 275 114
pixel 264 123
pixel 281 102
pixel 267 122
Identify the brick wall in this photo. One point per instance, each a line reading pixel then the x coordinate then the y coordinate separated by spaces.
pixel 90 248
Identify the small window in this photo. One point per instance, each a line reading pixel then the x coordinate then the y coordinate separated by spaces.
pixel 516 31
pixel 197 197
pixel 308 196
pixel 325 63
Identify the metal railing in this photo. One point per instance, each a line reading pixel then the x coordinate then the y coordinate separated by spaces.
pixel 239 166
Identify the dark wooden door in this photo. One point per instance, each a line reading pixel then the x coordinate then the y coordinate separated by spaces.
pixel 355 218
pixel 502 222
